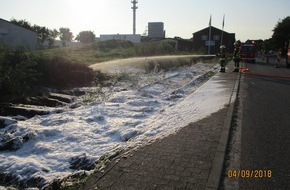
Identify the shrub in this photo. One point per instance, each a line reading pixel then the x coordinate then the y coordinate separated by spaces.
pixel 153 48
pixel 108 45
pixel 21 72
pixel 18 73
pixel 100 78
pixel 58 72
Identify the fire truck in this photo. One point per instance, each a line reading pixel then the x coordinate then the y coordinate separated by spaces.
pixel 248 51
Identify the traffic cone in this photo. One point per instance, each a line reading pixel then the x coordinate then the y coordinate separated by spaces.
pixel 244 68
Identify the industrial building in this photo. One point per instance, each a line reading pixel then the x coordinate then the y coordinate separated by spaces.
pixel 14 36
pixel 201 40
pixel 156 30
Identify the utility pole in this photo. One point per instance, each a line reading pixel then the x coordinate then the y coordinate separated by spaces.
pixel 134 15
pixel 209 35
pixel 223 25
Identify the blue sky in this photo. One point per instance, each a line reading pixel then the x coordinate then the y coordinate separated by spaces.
pixel 249 19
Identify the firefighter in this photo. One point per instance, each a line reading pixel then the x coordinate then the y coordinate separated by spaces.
pixel 222 56
pixel 278 58
pixel 237 59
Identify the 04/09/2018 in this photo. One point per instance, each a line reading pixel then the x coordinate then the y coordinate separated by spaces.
pixel 249 173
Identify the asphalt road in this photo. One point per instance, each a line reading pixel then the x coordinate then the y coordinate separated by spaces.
pixel 265 128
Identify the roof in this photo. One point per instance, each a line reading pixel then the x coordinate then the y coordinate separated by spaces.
pixel 17 25
pixel 212 27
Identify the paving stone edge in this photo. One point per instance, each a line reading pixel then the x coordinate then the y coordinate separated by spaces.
pixel 218 163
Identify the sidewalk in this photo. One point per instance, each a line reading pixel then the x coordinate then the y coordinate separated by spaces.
pixel 192 158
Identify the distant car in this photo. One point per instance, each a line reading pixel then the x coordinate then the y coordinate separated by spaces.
pixel 248 52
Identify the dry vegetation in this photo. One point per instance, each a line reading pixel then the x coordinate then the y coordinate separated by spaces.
pixel 68 67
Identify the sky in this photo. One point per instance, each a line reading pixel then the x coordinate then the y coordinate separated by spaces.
pixel 248 19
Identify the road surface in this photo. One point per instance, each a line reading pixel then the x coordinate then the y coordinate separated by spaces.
pixel 262 140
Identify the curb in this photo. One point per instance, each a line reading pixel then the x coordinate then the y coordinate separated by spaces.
pixel 218 163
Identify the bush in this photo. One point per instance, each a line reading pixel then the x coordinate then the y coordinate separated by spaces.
pixel 108 45
pixel 21 73
pixel 58 72
pixel 18 73
pixel 100 78
pixel 153 48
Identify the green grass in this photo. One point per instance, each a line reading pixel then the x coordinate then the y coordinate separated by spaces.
pixel 83 54
pixel 110 50
pixel 150 63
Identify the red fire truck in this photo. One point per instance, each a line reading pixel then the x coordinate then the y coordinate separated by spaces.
pixel 249 51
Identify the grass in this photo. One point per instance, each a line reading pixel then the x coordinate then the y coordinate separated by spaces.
pixel 70 67
pixel 110 50
pixel 169 63
pixel 83 54
pixel 148 64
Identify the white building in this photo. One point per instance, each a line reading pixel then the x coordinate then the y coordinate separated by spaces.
pixel 156 30
pixel 14 36
pixel 135 38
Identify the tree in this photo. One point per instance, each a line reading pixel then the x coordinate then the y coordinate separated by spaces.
pixel 43 33
pixel 52 35
pixel 86 37
pixel 22 23
pixel 267 45
pixel 65 35
pixel 281 33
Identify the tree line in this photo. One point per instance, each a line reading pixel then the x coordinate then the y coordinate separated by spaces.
pixel 279 40
pixel 45 34
pixel 280 37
